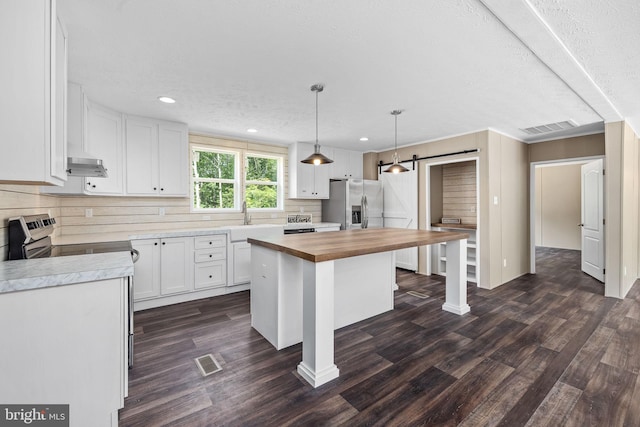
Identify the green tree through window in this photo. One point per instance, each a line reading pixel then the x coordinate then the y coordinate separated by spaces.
pixel 262 182
pixel 216 180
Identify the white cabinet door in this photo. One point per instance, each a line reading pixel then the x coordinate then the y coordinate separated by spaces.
pixel 347 164
pixel 141 137
pixel 355 165
pixel 241 263
pixel 176 265
pixel 59 117
pixel 173 163
pixel 146 279
pixel 31 81
pixel 104 141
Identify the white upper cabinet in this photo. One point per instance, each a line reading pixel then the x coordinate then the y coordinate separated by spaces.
pixel 347 164
pixel 104 141
pixel 33 82
pixel 307 181
pixel 156 153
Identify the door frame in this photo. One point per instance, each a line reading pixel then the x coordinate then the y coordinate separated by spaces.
pixel 428 222
pixel 532 201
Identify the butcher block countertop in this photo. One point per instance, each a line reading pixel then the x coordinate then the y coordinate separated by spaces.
pixel 332 245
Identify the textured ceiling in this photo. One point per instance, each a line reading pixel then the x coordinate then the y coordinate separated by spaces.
pixel 454 67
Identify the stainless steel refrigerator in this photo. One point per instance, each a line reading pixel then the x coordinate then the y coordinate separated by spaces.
pixel 354 203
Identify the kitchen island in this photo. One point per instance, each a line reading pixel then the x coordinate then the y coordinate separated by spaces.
pixel 333 279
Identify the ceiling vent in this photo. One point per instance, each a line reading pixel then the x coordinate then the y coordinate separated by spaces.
pixel 550 127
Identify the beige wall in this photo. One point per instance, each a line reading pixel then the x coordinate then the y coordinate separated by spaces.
pixel 621 209
pixel 16 200
pixel 568 148
pixel 503 173
pixel 558 210
pixel 459 192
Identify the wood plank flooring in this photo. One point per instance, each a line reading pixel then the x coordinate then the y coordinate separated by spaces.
pixel 543 350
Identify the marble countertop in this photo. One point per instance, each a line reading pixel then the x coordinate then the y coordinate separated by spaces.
pixel 28 274
pixel 20 275
pixel 70 239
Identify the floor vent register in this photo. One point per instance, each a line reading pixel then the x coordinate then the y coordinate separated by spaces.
pixel 208 365
pixel 418 294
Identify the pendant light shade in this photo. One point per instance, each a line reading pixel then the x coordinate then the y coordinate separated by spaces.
pixel 396 167
pixel 317 158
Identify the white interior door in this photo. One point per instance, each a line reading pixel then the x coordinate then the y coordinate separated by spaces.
pixel 401 210
pixel 592 219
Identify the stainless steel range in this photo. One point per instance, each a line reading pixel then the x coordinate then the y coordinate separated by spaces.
pixel 30 237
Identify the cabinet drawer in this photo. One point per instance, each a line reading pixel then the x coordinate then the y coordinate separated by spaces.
pixel 210 274
pixel 217 241
pixel 206 255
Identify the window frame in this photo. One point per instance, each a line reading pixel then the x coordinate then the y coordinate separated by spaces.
pixel 237 185
pixel 279 184
pixel 240 181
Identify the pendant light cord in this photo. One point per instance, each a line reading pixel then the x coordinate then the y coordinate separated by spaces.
pixel 316 147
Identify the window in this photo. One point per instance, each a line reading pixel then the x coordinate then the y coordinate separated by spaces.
pixel 219 184
pixel 263 189
pixel 215 179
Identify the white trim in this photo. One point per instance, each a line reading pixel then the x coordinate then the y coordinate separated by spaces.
pixel 532 199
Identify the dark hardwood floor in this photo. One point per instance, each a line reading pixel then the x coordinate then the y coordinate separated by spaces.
pixel 543 350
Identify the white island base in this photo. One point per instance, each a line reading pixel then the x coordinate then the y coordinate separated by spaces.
pixel 294 300
pixel 362 288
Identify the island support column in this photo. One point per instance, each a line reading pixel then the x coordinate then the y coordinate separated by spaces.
pixel 317 366
pixel 456 280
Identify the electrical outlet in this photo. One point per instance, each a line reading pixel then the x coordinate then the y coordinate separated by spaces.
pixel 504 262
pixel 301 209
pixel 161 211
pixel 495 200
pixel 88 213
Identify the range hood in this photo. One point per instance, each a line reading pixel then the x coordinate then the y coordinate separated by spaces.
pixel 86 166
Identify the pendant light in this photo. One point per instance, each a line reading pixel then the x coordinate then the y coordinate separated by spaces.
pixel 396 167
pixel 317 158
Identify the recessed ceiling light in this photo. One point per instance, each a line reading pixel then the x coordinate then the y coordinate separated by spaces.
pixel 252 130
pixel 166 100
pixel 364 138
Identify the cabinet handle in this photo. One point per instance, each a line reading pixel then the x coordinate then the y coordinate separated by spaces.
pixel 155 244
pixel 155 188
pixel 210 277
pixel 88 183
pixel 161 189
pixel 164 243
pixel 210 256
pixel 93 186
pixel 211 243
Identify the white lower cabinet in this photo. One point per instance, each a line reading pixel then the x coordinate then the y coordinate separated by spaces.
pixel 177 269
pixel 164 267
pixel 146 281
pixel 241 261
pixel 210 257
pixel 176 272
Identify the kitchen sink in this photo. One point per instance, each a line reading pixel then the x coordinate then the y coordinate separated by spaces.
pixel 243 232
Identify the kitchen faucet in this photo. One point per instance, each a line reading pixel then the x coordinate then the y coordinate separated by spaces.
pixel 247 218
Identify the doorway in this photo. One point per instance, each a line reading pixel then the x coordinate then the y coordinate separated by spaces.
pixel 452 194
pixel 563 196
